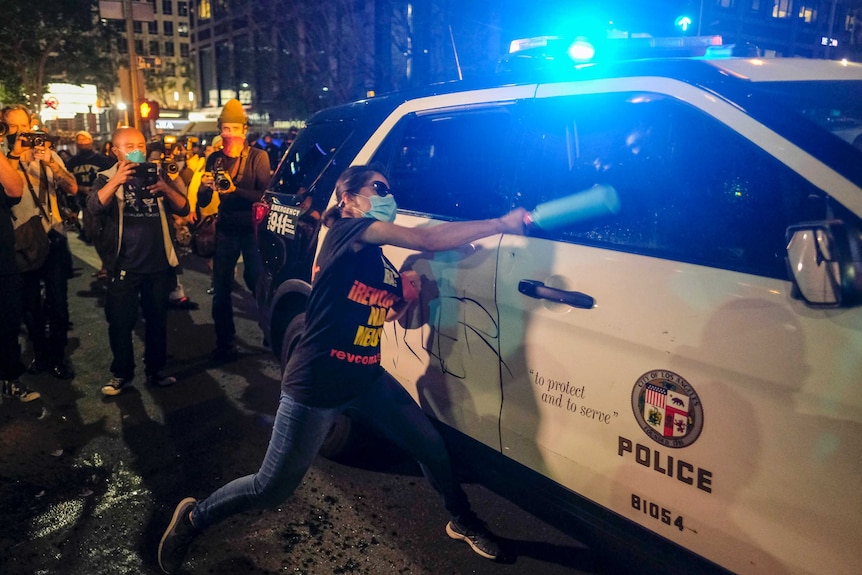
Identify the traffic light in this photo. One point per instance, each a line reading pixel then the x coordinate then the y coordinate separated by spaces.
pixel 148 110
pixel 683 22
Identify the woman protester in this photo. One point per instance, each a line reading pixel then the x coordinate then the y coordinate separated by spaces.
pixel 336 365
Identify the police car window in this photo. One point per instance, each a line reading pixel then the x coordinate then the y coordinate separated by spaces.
pixel 690 188
pixel 308 156
pixel 452 165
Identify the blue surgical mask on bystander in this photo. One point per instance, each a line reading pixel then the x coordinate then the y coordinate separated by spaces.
pixel 136 156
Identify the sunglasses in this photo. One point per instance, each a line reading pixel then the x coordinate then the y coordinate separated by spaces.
pixel 382 189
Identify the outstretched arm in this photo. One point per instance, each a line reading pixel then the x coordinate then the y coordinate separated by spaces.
pixel 445 236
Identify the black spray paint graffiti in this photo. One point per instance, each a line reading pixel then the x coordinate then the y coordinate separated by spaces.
pixel 435 345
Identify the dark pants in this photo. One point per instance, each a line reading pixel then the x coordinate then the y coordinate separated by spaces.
pixel 298 433
pixel 88 220
pixel 227 252
pixel 47 318
pixel 125 292
pixel 11 367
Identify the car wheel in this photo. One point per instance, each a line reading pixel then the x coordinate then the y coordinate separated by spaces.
pixel 291 337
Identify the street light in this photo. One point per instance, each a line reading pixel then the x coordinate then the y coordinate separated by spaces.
pixel 122 106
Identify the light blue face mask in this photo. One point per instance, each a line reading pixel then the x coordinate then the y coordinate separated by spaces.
pixel 382 209
pixel 136 156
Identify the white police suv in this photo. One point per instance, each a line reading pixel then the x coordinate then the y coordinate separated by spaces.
pixel 685 374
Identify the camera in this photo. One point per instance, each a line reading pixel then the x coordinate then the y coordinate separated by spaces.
pixel 222 180
pixel 171 167
pixel 147 174
pixel 33 139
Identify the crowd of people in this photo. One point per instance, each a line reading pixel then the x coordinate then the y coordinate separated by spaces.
pixel 134 204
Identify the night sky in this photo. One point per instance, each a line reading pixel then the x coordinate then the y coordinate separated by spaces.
pixel 560 17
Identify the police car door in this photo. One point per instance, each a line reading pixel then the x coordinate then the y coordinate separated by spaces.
pixel 685 399
pixel 452 159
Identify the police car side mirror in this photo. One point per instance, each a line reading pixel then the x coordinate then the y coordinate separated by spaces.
pixel 825 262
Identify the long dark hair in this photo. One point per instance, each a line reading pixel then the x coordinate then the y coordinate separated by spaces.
pixel 350 181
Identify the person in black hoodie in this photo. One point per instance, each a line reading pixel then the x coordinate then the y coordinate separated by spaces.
pixel 239 173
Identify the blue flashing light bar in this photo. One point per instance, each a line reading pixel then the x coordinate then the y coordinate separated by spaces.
pixel 558 51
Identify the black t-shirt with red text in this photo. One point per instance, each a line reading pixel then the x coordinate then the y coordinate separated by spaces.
pixel 339 352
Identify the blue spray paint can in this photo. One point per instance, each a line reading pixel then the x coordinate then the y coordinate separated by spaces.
pixel 600 200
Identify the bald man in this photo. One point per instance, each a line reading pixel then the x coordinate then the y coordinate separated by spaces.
pixel 133 210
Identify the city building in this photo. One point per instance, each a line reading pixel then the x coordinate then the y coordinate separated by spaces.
pixel 165 74
pixel 808 28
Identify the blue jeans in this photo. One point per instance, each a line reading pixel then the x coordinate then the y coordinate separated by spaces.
pixel 227 252
pixel 299 431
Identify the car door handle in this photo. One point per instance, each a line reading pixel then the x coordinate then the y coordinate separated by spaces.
pixel 538 290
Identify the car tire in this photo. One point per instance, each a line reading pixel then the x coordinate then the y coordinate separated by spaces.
pixel 339 439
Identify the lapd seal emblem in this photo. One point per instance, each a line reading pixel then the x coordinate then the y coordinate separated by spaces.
pixel 667 408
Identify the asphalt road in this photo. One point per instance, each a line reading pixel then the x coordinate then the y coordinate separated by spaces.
pixel 88 483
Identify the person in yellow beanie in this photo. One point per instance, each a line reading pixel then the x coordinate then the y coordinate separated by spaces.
pixel 238 174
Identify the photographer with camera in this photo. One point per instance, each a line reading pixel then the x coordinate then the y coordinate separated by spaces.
pixel 45 180
pixel 11 368
pixel 240 174
pixel 132 203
